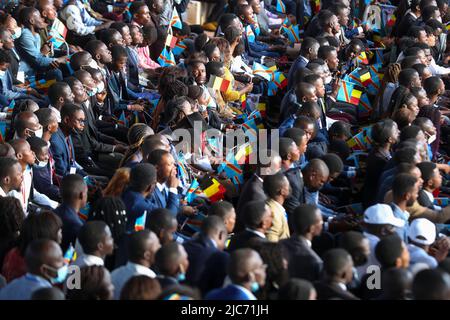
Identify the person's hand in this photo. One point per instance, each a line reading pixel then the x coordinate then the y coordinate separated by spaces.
pixel 173 181
pixel 189 211
pixel 248 88
pixel 46 48
pixel 120 148
pixel 440 249
pixel 136 107
pixel 335 88
pixel 55 64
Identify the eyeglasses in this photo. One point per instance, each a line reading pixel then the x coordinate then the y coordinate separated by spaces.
pixel 81 121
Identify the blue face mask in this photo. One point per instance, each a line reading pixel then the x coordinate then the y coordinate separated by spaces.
pixel 181 277
pixel 254 287
pixel 61 274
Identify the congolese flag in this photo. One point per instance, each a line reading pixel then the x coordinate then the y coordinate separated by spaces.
pixel 349 93
pixel 175 21
pixel 263 71
pixel 140 222
pixel 281 7
pixel 166 58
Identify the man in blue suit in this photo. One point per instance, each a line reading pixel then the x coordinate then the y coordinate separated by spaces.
pixel 166 194
pixel 74 197
pixel 207 260
pixel 142 183
pixel 72 119
pixel 308 52
pixel 247 273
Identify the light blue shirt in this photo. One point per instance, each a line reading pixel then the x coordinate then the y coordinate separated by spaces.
pixel 9 90
pixel 313 198
pixel 404 215
pixel 28 47
pixel 419 255
pixel 23 287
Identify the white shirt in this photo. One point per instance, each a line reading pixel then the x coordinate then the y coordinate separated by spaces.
pixel 162 187
pixel 73 21
pixel 57 113
pixel 88 260
pixel 2 193
pixel 122 274
pixel 262 235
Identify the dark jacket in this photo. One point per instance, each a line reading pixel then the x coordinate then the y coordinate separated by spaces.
pixel 295 179
pixel 72 224
pixel 252 191
pixel 202 253
pixel 326 291
pixel 303 262
pixel 63 153
pixel 136 205
pixel 245 239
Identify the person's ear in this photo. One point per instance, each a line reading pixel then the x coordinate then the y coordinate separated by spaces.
pixel 80 196
pixel 148 255
pixel 19 155
pixel 7 180
pixel 398 262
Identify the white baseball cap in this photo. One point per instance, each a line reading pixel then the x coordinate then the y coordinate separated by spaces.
pixel 422 231
pixel 382 214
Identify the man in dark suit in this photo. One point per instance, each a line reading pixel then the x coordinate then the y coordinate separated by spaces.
pixel 338 268
pixel 74 197
pixel 203 251
pixel 304 263
pixel 88 149
pixel 72 117
pixel 290 155
pixel 308 52
pixel 171 261
pixel 142 183
pixel 253 188
pixel 247 273
pixel 257 219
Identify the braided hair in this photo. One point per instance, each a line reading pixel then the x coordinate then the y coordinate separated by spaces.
pixel 112 211
pixel 136 135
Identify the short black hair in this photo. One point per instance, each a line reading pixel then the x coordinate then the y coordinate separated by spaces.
pixel 220 209
pixel 55 91
pixel 295 134
pixel 225 20
pixel 156 156
pixel 78 59
pixel 93 45
pixel 231 33
pixel 4 57
pixel 406 75
pixel 295 289
pixel 69 109
pixel 273 183
pixel 303 217
pixel 431 284
pixel 142 176
pixel 6 164
pixel 339 128
pixel 428 12
pixel 166 257
pixel 431 85
pixel 254 213
pixel 160 219
pixel 36 144
pixel 405 155
pixel 91 234
pixel 135 6
pixel 382 131
pixel 213 225
pixel 213 68
pixel 137 244
pixel 388 250
pixel 285 145
pixel 402 184
pixel 334 261
pixel 45 116
pixel 325 51
pixel 118 52
pixel 308 43
pixel 71 186
pixel 427 170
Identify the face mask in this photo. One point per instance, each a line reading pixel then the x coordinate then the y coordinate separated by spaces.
pixel 93 64
pixel 201 108
pixel 254 287
pixel 2 73
pixel 91 93
pixel 38 133
pixel 328 79
pixel 17 33
pixel 100 87
pixel 181 277
pixel 431 139
pixel 41 164
pixel 61 275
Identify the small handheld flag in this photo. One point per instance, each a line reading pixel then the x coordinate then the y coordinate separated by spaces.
pixel 140 222
pixel 349 93
pixel 179 48
pixel 171 41
pixel 218 83
pixel 175 21
pixel 123 120
pixel 166 58
pixel 250 34
pixel 281 7
pixel 70 255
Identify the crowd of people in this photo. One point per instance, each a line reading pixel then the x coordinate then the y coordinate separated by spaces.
pixel 282 150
